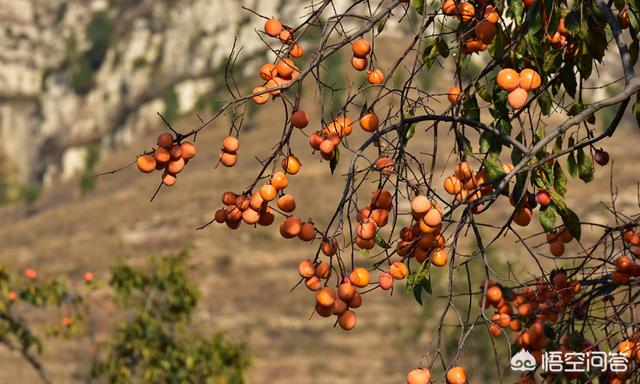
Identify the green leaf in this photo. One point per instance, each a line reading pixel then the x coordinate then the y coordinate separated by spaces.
pixel 557 145
pixel 572 23
pixel 585 166
pixel 483 91
pixel 418 5
pixel 572 165
pixel 419 280
pixel 380 242
pixel 585 65
pixel 466 146
pixel 516 154
pixel 569 218
pixel 500 104
pixel 544 101
pixel 381 24
pixel 633 51
pixel 519 188
pixel 533 44
pixel 504 125
pixel 547 216
pixel 552 62
pixel 426 284
pixel 496 48
pixel 493 168
pixel 335 160
pixel 443 47
pixel 429 53
pixel 571 222
pixel 490 143
pixel 569 82
pixel 470 108
pixel 559 179
pixel 540 180
pixel 516 8
pixel 634 21
pixel 411 131
pixel 417 293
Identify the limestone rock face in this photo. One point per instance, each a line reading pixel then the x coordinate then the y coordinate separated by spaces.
pixel 55 101
pixel 156 47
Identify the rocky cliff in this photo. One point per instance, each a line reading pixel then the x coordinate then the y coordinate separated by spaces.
pixel 77 73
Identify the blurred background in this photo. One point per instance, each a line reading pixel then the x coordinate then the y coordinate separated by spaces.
pixel 80 85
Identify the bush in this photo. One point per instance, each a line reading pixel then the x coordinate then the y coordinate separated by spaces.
pixel 87 181
pixel 99 31
pixel 171 105
pixel 20 293
pixel 157 343
pixel 81 76
pixel 30 193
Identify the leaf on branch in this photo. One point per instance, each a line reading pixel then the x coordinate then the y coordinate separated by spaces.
pixel 380 242
pixel 569 82
pixel 429 53
pixel 419 280
pixel 490 143
pixel 496 48
pixel 466 146
pixel 411 131
pixel 335 160
pixel 483 91
pixel 544 101
pixel 500 104
pixel 634 47
pixel 547 217
pixel 573 23
pixel 443 47
pixel 552 61
pixel 417 293
pixel 470 108
pixel 418 5
pixel 571 222
pixel 579 107
pixel 504 126
pixel 634 20
pixel 516 154
pixel 559 179
pixel 557 145
pixel 381 24
pixel 493 168
pixel 408 132
pixel 572 165
pixel 585 166
pixel 519 188
pixel 569 218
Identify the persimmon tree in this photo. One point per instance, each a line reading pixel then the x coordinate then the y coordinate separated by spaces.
pixel 157 342
pixel 21 296
pixel 524 123
pixel 153 338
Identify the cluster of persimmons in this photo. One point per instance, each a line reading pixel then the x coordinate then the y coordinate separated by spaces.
pixel 170 157
pixel 485 19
